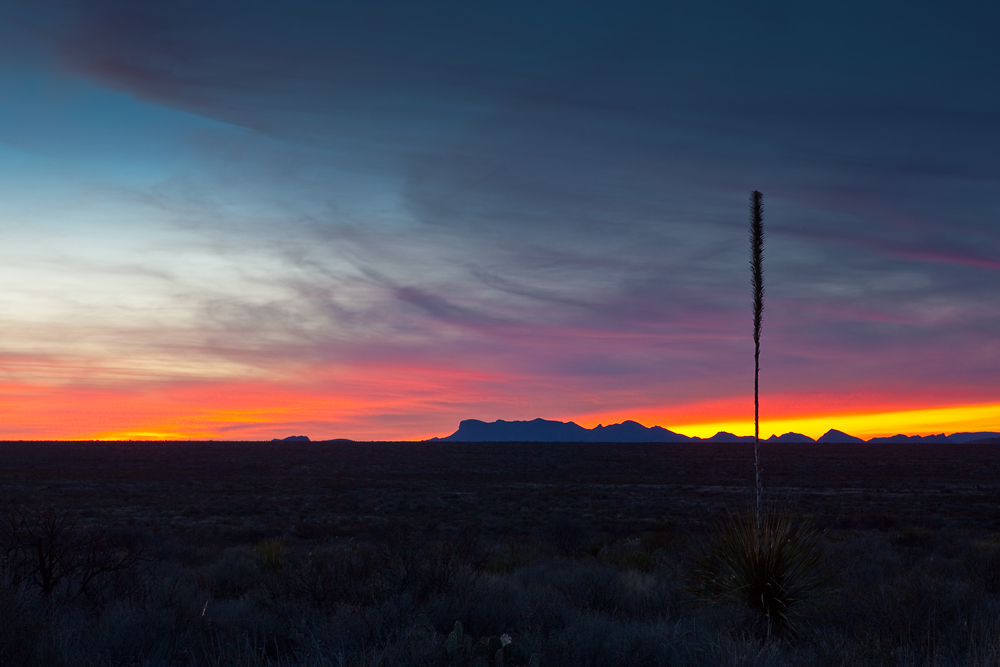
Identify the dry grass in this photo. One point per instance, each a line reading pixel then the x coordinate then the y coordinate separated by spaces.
pixel 580 554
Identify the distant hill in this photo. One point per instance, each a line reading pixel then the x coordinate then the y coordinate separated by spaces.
pixel 725 436
pixel 790 437
pixel 537 430
pixel 630 431
pixel 833 436
pixel 973 437
pixel 939 439
pixel 546 430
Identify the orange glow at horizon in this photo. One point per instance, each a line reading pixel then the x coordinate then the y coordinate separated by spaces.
pixel 389 403
pixel 920 421
pixel 394 403
pixel 925 421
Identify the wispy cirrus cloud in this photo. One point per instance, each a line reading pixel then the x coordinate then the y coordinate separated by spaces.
pixel 545 196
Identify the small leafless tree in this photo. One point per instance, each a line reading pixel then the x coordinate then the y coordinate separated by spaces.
pixel 47 547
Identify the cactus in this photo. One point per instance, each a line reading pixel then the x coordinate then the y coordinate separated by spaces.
pixel 458 646
pixel 454 640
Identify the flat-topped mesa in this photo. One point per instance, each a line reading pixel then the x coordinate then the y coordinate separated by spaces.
pixel 544 430
pixel 536 430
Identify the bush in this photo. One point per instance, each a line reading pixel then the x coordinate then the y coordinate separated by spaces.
pixel 47 548
pixel 270 554
pixel 775 571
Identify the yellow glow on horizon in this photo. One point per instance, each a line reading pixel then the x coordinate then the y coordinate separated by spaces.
pixel 924 421
pixel 142 435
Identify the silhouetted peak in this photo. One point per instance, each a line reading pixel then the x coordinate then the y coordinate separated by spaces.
pixel 725 436
pixel 547 430
pixel 544 430
pixel 790 437
pixel 835 436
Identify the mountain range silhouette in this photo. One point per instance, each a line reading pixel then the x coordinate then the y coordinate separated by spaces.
pixel 545 430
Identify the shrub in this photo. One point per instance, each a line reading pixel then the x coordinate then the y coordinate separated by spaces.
pixel 982 564
pixel 270 554
pixel 772 569
pixel 46 547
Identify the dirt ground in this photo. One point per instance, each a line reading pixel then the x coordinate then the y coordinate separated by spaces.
pixel 235 492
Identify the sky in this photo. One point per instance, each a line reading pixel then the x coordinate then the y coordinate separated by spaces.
pixel 371 220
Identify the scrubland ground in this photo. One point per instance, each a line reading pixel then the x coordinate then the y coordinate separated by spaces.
pixel 581 554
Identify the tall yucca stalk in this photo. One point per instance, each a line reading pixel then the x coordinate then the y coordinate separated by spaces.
pixel 762 561
pixel 757 281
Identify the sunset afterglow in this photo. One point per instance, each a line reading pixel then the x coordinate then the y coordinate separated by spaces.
pixel 970 418
pixel 249 223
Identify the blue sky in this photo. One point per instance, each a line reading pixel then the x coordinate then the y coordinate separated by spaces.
pixel 403 215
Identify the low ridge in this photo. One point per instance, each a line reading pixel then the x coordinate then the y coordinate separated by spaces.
pixel 547 430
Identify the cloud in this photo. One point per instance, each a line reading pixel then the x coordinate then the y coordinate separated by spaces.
pixel 549 193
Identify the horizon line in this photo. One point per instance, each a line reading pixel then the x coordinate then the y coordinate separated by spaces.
pixel 442 439
pixel 981 417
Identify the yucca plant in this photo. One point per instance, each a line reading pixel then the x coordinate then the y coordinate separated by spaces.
pixel 758 559
pixel 767 565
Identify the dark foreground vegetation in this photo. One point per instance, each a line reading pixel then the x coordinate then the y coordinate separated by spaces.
pixel 145 554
